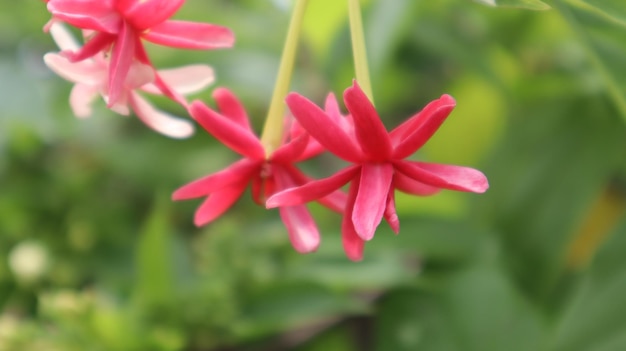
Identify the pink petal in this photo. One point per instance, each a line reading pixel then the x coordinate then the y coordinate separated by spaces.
pixel 321 127
pixel 185 80
pixel 85 72
pixel 145 14
pixel 86 14
pixel 190 35
pixel 415 132
pixel 391 216
pixel 139 75
pixel 160 121
pixel 81 98
pixel 97 44
pixel 411 186
pixel 368 127
pixel 302 230
pixel 228 132
pixel 62 37
pixel 289 152
pixel 239 172
pixel 121 60
pixel 353 245
pixel 313 190
pixel 371 198
pixel 217 203
pixel 230 106
pixel 445 176
pixel 335 201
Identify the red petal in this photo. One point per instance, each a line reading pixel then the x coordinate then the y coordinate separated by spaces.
pixel 411 186
pixel 230 106
pixel 335 201
pixel 391 216
pixel 321 127
pixel 86 14
pixel 313 190
pixel 190 35
pixel 121 60
pixel 290 152
pixel 100 42
pixel 353 245
pixel 371 198
pixel 368 127
pixel 302 230
pixel 145 14
pixel 239 172
pixel 445 176
pixel 228 132
pixel 217 203
pixel 415 132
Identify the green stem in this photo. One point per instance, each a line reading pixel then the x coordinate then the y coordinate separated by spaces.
pixel 358 48
pixel 273 129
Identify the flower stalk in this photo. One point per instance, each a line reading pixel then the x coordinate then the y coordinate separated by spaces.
pixel 359 52
pixel 272 135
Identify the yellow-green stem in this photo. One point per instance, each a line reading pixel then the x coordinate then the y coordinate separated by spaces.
pixel 273 129
pixel 358 48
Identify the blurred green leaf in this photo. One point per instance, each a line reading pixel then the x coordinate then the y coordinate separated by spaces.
pixel 155 274
pixel 600 26
pixel 525 4
pixel 596 318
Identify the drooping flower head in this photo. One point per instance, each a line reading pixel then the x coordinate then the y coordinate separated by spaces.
pixel 379 164
pixel 266 174
pixel 90 78
pixel 119 26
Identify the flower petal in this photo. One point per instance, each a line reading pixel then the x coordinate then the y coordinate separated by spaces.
pixel 85 72
pixel 97 44
pixel 190 35
pixel 371 198
pixel 368 127
pixel 217 203
pixel 228 132
pixel 391 216
pixel 230 106
pixel 81 98
pixel 160 121
pixel 145 14
pixel 302 230
pixel 86 14
pixel 121 61
pixel 290 152
pixel 321 127
pixel 62 37
pixel 313 190
pixel 185 80
pixel 415 132
pixel 238 172
pixel 411 186
pixel 445 176
pixel 353 245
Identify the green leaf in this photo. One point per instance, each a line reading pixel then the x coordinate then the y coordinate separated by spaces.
pixel 155 274
pixel 600 26
pixel 525 4
pixel 596 318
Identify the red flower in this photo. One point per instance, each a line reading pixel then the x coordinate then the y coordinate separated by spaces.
pixel 120 25
pixel 266 174
pixel 379 164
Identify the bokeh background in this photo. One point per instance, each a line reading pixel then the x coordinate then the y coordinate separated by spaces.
pixel 95 256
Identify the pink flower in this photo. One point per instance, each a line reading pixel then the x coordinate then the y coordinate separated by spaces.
pixel 90 78
pixel 120 26
pixel 379 165
pixel 266 174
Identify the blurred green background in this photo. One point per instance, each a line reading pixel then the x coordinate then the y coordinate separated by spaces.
pixel 94 255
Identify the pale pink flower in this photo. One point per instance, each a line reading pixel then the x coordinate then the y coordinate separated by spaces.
pixel 90 78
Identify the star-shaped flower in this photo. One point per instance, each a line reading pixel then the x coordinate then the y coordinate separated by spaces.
pixel 121 25
pixel 266 174
pixel 379 165
pixel 90 78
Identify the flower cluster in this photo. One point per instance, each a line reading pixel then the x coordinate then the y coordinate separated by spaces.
pixel 113 63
